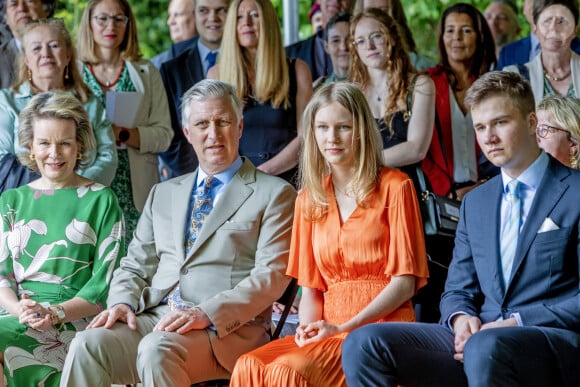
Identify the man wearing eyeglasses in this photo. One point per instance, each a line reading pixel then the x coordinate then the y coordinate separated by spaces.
pixel 18 13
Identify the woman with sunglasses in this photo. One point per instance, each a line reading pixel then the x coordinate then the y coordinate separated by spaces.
pixel 109 49
pixel 558 130
pixel 47 63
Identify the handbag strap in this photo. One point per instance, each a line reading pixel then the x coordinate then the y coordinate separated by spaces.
pixel 442 143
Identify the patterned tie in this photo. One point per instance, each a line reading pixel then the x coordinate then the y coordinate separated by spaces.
pixel 211 58
pixel 202 206
pixel 509 238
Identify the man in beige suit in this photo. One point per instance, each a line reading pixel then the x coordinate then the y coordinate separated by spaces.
pixel 229 278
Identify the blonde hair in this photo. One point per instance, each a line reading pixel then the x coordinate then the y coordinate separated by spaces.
pixel 56 105
pixel 398 65
pixel 367 145
pixel 272 81
pixel 86 43
pixel 72 80
pixel 565 111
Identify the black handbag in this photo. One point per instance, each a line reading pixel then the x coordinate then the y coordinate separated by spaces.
pixel 440 214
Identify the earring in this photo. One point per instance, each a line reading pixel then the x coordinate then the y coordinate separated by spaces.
pixel 32 157
pixel 29 75
pixel 573 159
pixel 66 71
pixel 79 156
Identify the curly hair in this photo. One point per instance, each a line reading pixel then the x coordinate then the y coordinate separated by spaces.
pixel 398 64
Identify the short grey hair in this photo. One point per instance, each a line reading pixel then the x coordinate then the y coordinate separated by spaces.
pixel 56 105
pixel 208 89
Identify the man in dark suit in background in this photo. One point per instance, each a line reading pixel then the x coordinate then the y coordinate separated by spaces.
pixel 311 50
pixel 184 71
pixel 510 313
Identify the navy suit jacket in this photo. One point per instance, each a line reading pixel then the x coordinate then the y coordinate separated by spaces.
pixel 179 75
pixel 544 288
pixel 518 52
pixel 304 50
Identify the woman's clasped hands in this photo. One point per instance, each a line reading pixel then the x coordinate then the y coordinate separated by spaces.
pixel 315 331
pixel 34 315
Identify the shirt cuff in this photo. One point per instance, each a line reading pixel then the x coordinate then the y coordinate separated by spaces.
pixel 518 319
pixel 451 319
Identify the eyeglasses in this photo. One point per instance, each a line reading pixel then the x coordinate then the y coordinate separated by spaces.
pixel 376 38
pixel 118 20
pixel 544 131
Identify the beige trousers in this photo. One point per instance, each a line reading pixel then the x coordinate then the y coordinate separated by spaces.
pixel 101 357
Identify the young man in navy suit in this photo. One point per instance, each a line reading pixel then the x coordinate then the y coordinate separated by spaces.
pixel 510 313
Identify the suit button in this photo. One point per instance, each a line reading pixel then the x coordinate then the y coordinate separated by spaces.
pixel 184 271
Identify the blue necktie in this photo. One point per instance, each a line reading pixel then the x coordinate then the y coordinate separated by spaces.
pixel 509 237
pixel 202 206
pixel 211 58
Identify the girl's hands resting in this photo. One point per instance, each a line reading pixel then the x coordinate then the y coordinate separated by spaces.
pixel 315 331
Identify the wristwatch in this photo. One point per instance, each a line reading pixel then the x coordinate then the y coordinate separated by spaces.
pixel 58 312
pixel 124 135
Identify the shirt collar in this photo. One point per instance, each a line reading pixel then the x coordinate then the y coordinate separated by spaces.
pixel 532 176
pixel 224 176
pixel 203 50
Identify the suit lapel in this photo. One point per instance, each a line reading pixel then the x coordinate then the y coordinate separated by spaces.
pixel 234 196
pixel 180 204
pixel 547 196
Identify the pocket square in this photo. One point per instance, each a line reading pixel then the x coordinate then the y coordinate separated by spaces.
pixel 548 225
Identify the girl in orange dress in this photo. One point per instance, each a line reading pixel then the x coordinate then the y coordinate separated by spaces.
pixel 357 247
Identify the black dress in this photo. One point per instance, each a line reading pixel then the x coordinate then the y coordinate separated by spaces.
pixel 267 130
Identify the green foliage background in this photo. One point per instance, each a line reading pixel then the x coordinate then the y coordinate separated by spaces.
pixel 422 16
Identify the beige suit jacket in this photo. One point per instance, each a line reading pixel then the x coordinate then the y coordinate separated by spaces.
pixel 236 268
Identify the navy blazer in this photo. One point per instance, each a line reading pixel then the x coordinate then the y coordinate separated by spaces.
pixel 518 52
pixel 304 50
pixel 544 289
pixel 179 75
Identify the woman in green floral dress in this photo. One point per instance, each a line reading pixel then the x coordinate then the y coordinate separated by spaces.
pixel 60 240
pixel 111 62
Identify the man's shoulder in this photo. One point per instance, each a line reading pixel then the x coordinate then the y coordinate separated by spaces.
pixel 176 65
pixel 294 49
pixel 515 52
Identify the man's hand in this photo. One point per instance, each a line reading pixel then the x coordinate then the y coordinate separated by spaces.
pixel 107 318
pixel 315 331
pixel 464 327
pixel 183 321
pixel 510 322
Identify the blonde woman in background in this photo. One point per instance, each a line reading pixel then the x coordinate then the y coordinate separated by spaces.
pixel 111 62
pixel 558 130
pixel 48 63
pixel 273 88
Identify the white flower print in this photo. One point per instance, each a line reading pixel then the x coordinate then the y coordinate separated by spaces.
pixel 83 189
pixel 19 235
pixel 81 233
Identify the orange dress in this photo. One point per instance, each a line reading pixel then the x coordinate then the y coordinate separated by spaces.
pixel 351 263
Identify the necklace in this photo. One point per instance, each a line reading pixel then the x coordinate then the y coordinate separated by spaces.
pixel 108 84
pixel 556 79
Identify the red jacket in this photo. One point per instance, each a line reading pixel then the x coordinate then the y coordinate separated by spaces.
pixel 439 174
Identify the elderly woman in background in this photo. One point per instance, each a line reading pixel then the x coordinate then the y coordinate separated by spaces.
pixel 48 63
pixel 394 8
pixel 54 270
pixel 466 51
pixel 557 69
pixel 109 49
pixel 558 130
pixel 274 89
